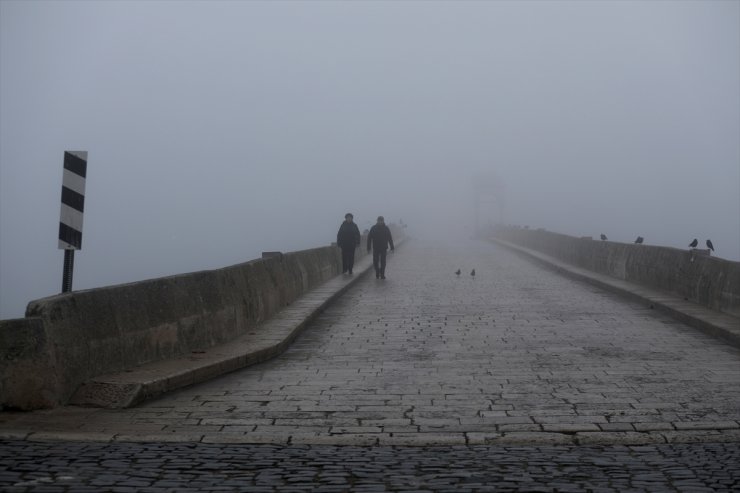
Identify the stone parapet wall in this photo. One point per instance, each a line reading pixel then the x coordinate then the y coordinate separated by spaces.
pixel 67 339
pixel 691 274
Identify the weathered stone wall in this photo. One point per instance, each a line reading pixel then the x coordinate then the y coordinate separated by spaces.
pixel 709 281
pixel 69 338
pixel 28 376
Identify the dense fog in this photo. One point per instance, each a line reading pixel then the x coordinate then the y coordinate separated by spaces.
pixel 218 130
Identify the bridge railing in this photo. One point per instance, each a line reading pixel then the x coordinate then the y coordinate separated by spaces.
pixel 709 281
pixel 67 339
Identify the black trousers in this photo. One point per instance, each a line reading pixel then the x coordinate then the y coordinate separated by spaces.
pixel 379 261
pixel 348 258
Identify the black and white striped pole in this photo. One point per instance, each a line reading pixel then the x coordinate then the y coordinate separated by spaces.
pixel 73 206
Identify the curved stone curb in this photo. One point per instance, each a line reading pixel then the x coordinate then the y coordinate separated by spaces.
pixel 708 321
pixel 271 338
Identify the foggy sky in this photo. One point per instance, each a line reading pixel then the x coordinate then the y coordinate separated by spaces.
pixel 217 130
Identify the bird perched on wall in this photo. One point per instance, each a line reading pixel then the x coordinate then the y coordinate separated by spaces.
pixel 639 240
pixel 603 237
pixel 709 245
pixel 694 243
pixel 457 272
pixel 472 272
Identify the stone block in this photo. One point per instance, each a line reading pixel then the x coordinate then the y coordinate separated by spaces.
pixel 27 366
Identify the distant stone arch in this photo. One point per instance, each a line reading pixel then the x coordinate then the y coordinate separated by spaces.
pixel 489 195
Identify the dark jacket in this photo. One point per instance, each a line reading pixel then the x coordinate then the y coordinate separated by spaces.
pixel 348 235
pixel 380 237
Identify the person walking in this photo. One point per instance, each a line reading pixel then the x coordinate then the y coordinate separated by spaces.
pixel 348 238
pixel 380 238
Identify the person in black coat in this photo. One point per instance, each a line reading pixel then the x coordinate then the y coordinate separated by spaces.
pixel 379 237
pixel 348 238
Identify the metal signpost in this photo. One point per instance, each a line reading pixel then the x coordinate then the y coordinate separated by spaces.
pixel 73 205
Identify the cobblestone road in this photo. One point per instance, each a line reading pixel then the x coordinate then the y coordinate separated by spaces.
pixel 503 366
pixel 142 468
pixel 429 358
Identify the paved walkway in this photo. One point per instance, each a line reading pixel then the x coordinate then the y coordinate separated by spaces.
pixel 516 355
pixel 184 467
pixel 515 380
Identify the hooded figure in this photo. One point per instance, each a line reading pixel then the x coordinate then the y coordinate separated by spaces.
pixel 379 237
pixel 348 238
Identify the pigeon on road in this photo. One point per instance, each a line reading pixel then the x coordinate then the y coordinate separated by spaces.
pixel 457 272
pixel 472 272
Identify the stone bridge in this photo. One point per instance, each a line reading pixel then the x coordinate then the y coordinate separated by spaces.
pixel 534 358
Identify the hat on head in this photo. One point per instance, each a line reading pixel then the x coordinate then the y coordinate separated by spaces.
pixel 381 219
pixel 349 214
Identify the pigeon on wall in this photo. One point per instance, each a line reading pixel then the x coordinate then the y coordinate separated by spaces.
pixel 639 240
pixel 603 237
pixel 709 245
pixel 694 243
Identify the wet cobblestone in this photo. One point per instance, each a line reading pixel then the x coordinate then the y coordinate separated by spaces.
pixel 518 353
pixel 71 467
